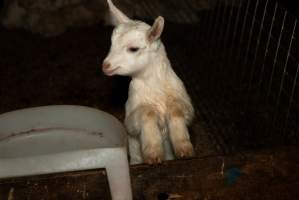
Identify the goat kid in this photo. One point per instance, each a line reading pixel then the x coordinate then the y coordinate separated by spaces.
pixel 158 108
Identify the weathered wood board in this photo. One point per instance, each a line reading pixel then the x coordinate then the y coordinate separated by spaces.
pixel 272 174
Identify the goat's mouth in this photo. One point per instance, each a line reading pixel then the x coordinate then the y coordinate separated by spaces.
pixel 110 72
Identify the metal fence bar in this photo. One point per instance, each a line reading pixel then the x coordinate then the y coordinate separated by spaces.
pixel 203 25
pixel 291 99
pixel 249 39
pixel 216 24
pixel 257 46
pixel 210 28
pixel 213 34
pixel 229 23
pixel 212 49
pixel 230 55
pixel 267 46
pixel 276 54
pixel 209 25
pixel 242 37
pixel 220 41
pixel 284 74
pixel 222 25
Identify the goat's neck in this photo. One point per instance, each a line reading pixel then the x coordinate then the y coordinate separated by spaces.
pixel 157 70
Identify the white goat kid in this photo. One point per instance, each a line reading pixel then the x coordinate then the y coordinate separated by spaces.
pixel 158 109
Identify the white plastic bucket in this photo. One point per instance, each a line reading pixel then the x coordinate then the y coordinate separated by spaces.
pixel 53 139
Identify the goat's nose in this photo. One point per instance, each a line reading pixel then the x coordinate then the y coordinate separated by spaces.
pixel 106 65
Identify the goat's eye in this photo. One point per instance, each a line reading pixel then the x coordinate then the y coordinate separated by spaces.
pixel 133 49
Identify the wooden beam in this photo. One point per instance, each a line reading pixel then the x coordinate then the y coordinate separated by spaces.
pixel 272 174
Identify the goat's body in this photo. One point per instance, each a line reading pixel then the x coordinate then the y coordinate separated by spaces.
pixel 158 109
pixel 158 90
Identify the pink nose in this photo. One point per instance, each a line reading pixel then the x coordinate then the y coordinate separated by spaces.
pixel 106 65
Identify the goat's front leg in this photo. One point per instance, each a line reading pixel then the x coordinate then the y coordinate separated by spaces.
pixel 178 133
pixel 134 150
pixel 144 121
pixel 151 138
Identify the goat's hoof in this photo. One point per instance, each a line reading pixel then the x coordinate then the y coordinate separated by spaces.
pixel 184 149
pixel 153 156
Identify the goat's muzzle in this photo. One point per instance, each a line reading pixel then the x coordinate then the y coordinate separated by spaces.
pixel 106 67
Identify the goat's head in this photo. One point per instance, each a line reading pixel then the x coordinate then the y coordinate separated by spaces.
pixel 134 44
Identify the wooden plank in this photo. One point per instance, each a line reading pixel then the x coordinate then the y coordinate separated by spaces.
pixel 272 174
pixel 72 185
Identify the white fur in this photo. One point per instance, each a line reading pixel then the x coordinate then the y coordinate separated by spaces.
pixel 158 109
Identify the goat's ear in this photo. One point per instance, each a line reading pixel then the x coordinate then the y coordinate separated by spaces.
pixel 156 30
pixel 118 15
